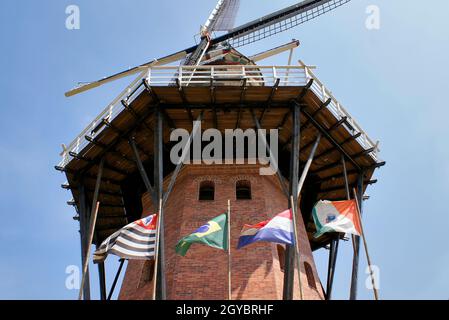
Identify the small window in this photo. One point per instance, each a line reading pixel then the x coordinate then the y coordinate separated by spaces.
pixel 310 276
pixel 281 255
pixel 243 190
pixel 147 273
pixel 207 191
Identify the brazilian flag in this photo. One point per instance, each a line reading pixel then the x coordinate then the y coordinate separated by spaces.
pixel 213 234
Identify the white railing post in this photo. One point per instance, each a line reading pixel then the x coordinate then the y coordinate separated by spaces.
pixel 149 76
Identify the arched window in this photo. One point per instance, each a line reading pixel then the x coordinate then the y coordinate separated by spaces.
pixel 207 191
pixel 310 276
pixel 243 190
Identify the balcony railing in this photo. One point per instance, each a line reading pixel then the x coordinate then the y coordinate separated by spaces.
pixel 249 75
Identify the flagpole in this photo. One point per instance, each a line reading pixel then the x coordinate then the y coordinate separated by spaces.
pixel 156 254
pixel 376 294
pixel 229 251
pixel 298 257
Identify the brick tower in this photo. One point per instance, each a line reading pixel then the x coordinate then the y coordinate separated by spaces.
pixel 257 269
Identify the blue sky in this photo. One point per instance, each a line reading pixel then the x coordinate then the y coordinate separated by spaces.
pixel 392 80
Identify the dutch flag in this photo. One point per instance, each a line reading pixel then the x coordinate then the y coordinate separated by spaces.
pixel 277 230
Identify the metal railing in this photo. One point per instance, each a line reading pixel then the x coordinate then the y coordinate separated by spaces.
pixel 219 75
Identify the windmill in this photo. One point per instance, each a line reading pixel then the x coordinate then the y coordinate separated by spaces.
pixel 222 18
pixel 324 153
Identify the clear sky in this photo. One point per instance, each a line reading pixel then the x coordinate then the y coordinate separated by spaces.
pixel 392 80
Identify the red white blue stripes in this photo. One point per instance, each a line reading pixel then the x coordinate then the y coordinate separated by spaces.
pixel 277 230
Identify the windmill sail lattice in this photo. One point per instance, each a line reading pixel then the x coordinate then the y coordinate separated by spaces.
pixel 281 21
pixel 225 20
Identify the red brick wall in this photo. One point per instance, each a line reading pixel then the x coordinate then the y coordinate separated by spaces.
pixel 202 274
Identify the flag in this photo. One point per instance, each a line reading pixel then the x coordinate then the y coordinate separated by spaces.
pixel 136 241
pixel 277 230
pixel 337 216
pixel 213 234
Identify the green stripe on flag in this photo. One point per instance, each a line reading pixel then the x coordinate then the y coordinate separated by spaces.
pixel 214 234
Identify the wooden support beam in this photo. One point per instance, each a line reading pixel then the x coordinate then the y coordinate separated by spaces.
pixel 242 99
pixel 293 204
pixel 93 220
pixel 355 260
pixel 364 153
pixel 343 187
pixel 243 91
pixel 106 166
pixel 331 266
pixel 111 152
pixel 121 135
pixel 142 171
pixel 322 107
pixel 333 149
pixel 135 115
pixel 308 164
pixel 331 139
pixel 304 90
pixel 109 181
pixel 284 121
pixel 184 99
pixel 114 284
pixel 102 280
pixel 272 159
pixel 158 187
pixel 83 219
pixel 171 124
pixel 184 155
pixel 212 92
pixel 338 124
pixel 270 100
pixel 117 140
pixel 102 191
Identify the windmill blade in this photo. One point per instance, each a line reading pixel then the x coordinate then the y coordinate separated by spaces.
pixel 162 61
pixel 279 21
pixel 224 15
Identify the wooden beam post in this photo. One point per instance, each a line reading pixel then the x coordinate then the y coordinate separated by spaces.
pixel 142 170
pixel 156 251
pixel 365 245
pixel 355 260
pixel 290 252
pixel 158 187
pixel 335 242
pixel 93 221
pixel 185 153
pixel 83 235
pixel 272 159
pixel 117 276
pixel 102 279
pixel 306 169
pixel 297 251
